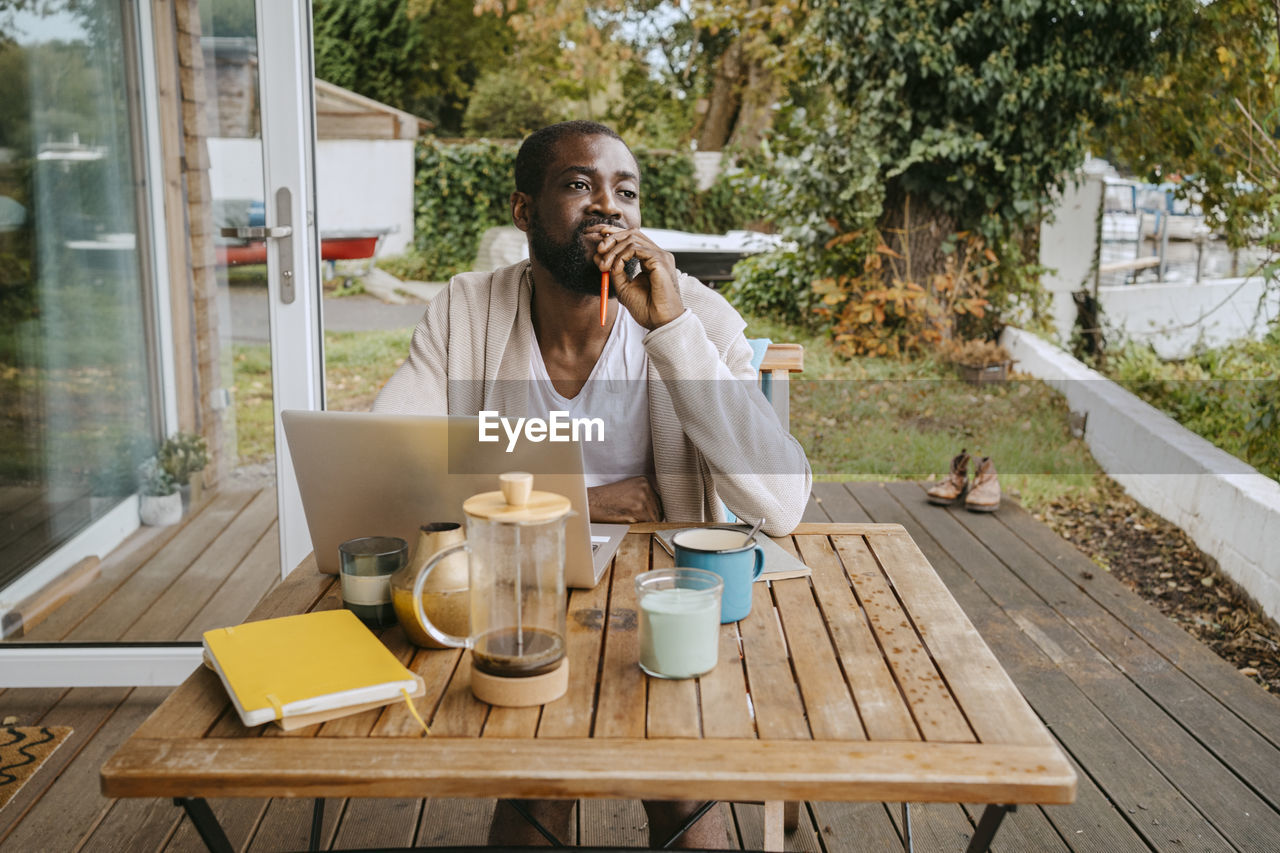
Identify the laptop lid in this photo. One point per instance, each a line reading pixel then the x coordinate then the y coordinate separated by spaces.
pixel 366 474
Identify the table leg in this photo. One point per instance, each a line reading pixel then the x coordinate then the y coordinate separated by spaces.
pixel 317 823
pixel 773 830
pixel 907 844
pixel 535 823
pixel 688 824
pixel 206 824
pixel 987 826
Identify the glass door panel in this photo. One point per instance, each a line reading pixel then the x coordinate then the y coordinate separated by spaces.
pixel 78 403
pixel 100 359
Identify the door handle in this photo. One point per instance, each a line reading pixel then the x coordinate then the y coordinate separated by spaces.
pixel 257 232
pixel 282 231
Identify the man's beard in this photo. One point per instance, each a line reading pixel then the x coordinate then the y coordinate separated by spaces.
pixel 572 263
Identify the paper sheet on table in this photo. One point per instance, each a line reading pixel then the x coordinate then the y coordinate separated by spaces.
pixel 778 564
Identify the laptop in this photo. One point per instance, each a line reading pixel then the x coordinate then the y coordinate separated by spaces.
pixel 365 474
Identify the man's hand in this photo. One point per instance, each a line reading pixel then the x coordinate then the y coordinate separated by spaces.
pixel 625 502
pixel 653 297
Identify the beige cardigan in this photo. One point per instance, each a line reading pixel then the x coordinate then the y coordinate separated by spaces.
pixel 713 437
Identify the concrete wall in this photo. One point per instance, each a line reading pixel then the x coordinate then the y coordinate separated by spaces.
pixel 1174 318
pixel 1228 509
pixel 1068 245
pixel 361 183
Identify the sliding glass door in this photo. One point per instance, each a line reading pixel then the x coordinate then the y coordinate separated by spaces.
pixel 158 273
pixel 79 401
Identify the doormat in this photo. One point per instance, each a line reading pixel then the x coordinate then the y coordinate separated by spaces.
pixel 22 750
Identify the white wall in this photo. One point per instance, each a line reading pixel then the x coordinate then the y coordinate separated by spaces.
pixel 1228 509
pixel 361 183
pixel 1174 318
pixel 367 183
pixel 1067 247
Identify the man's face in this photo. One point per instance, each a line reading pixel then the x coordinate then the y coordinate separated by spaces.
pixel 592 180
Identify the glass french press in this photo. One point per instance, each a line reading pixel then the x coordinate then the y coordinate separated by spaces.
pixel 515 550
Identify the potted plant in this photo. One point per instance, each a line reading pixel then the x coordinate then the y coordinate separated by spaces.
pixel 980 361
pixel 159 502
pixel 183 456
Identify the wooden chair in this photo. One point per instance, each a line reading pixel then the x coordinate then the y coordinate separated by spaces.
pixel 776 366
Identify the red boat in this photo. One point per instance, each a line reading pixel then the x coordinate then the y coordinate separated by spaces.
pixel 334 246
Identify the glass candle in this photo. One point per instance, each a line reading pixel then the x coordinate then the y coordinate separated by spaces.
pixel 367 565
pixel 679 621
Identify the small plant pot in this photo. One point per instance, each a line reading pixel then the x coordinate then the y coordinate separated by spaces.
pixel 978 374
pixel 160 510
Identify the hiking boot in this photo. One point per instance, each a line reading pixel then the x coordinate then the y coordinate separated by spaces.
pixel 984 494
pixel 949 490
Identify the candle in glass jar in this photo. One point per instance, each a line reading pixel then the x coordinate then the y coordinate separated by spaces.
pixel 679 622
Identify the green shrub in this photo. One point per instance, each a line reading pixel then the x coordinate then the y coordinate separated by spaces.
pixel 668 190
pixel 1229 395
pixel 460 191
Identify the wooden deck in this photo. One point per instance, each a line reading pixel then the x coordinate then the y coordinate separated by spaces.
pixel 1174 749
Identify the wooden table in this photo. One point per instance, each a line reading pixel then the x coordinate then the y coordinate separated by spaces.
pixel 866 683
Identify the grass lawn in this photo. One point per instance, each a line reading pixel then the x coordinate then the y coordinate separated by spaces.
pixel 866 419
pixel 884 419
pixel 356 366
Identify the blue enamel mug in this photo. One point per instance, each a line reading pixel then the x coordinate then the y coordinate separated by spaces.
pixel 723 552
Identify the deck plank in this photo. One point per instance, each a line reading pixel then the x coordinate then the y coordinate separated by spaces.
pixel 115 568
pixel 377 824
pixel 1127 778
pixel 118 613
pixel 286 825
pixel 134 826
pixel 813 510
pixel 612 823
pixel 455 822
pixel 836 501
pixel 101 719
pixel 1025 829
pixel 1203 747
pixel 750 822
pixel 855 826
pixel 174 609
pixel 239 818
pixel 1243 696
pixel 246 585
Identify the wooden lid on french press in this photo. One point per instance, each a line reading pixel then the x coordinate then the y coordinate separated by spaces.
pixel 517 502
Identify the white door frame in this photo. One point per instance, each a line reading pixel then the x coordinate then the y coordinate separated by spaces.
pixel 287 92
pixel 297 360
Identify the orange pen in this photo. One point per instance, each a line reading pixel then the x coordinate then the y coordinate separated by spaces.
pixel 604 295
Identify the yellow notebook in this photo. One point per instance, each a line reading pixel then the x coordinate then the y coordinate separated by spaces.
pixel 311 666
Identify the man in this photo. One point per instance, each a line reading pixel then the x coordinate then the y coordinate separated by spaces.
pixel 681 435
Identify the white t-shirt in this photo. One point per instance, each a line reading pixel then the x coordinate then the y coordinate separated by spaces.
pixel 617 392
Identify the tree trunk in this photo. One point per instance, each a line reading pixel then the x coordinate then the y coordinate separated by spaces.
pixel 915 230
pixel 759 94
pixel 724 101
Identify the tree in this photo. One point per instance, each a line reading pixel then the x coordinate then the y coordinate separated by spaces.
pixel 752 48
pixel 508 107
pixel 422 56
pixel 926 119
pixel 1203 118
